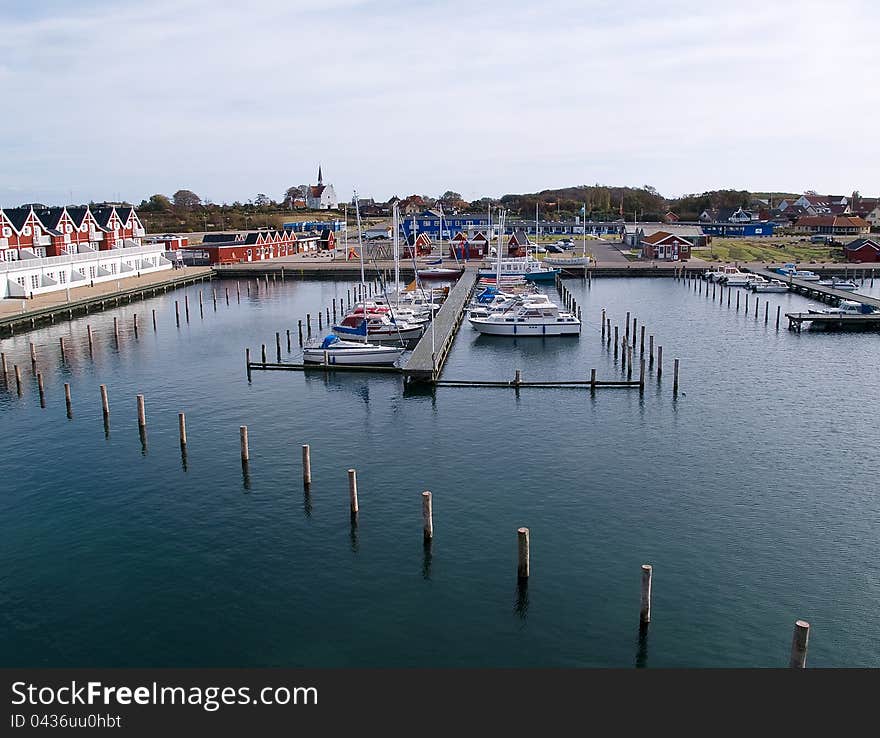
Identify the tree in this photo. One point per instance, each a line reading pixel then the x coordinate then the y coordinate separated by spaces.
pixel 291 194
pixel 156 204
pixel 262 200
pixel 186 200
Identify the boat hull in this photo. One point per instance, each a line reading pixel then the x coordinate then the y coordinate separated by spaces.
pixel 438 273
pixel 380 334
pixel 356 357
pixel 519 330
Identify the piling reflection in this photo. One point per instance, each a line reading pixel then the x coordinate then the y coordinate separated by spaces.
pixel 427 557
pixel 521 603
pixel 183 463
pixel 642 650
pixel 142 432
pixel 355 545
pixel 307 500
pixel 246 475
pixel 107 426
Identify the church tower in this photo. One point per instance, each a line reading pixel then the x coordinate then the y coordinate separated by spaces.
pixel 320 178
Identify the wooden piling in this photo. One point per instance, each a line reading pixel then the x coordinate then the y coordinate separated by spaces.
pixel 307 464
pixel 177 312
pixel 67 401
pixel 320 326
pixel 728 297
pixel 40 388
pixel 214 297
pixel 608 332
pixel 263 353
pixel 592 380
pixel 61 343
pixel 116 329
pixel 327 321
pixel 288 340
pixel 615 341
pixel 17 369
pixel 278 346
pixel 659 361
pixel 135 325
pixel 635 330
pixel 737 301
pixel 799 642
pixel 517 378
pixel 334 310
pixel 427 516
pixel 4 365
pixel 651 348
pixel 238 291
pixel 247 363
pixel 142 415
pixel 309 323
pixel 629 362
pixel 226 289
pixel 627 327
pixel 300 324
pixel 248 285
pixel 603 324
pixel 766 312
pixel 757 301
pixel 642 373
pixel 778 307
pixel 201 309
pixel 645 608
pixel 353 490
pixel 181 426
pixel 34 353
pixel 154 319
pixel 522 568
pixel 747 304
pixel 186 307
pixel 243 437
pixel 675 376
pixel 642 342
pixel 105 401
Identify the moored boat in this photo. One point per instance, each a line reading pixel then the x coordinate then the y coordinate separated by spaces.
pixel 536 316
pixel 333 350
pixel 380 327
pixel 773 285
pixel 527 267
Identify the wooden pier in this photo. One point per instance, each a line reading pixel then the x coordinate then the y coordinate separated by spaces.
pixel 836 322
pixel 429 355
pixel 817 291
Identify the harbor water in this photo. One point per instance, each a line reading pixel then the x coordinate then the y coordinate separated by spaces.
pixel 752 493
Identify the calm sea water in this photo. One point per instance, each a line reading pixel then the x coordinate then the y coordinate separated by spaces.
pixel 753 494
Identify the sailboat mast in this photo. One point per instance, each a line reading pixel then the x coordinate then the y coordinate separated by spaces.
pixel 357 211
pixel 396 225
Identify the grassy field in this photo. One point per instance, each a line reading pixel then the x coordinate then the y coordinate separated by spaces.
pixel 765 249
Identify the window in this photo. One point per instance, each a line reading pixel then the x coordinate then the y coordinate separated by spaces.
pixel 91 272
pixel 51 275
pixel 113 268
pixel 26 231
pixel 20 281
pixel 62 277
pixel 68 228
pixel 83 228
pixel 35 281
pixel 7 232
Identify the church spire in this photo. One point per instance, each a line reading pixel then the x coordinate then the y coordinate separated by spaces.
pixel 320 178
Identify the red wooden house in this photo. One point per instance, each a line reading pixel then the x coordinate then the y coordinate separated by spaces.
pixel 863 250
pixel 665 247
pixel 517 244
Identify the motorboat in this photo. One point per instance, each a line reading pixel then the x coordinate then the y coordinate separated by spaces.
pixel 846 285
pixel 719 274
pixel 334 350
pixel 439 272
pixel 791 270
pixel 527 267
pixel 535 315
pixel 737 279
pixel 846 307
pixel 567 261
pixel 379 326
pixel 772 285
pixel 405 314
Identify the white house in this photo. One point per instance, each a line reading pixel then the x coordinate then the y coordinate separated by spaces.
pixel 874 217
pixel 27 277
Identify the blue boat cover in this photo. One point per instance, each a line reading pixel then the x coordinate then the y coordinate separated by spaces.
pixel 329 341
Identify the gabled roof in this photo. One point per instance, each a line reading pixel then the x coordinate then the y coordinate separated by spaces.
pixel 518 238
pixel 102 216
pixel 835 221
pixel 316 190
pixel 124 213
pixel 660 236
pixel 50 217
pixel 77 215
pixel 219 237
pixel 18 217
pixel 862 242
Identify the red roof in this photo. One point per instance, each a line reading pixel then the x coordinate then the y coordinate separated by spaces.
pixel 834 221
pixel 659 236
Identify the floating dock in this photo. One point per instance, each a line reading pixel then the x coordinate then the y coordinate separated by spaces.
pixel 429 355
pixel 837 322
pixel 819 292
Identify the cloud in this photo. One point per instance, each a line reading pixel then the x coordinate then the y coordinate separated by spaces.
pixel 398 97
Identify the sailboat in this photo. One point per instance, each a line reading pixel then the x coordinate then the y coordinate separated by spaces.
pixel 334 350
pixel 564 261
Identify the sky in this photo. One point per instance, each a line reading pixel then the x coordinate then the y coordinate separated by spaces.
pixel 116 99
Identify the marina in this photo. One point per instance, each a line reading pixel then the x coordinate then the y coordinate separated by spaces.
pixel 192 508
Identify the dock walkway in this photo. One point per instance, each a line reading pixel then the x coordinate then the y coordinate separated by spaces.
pixel 817 291
pixel 429 355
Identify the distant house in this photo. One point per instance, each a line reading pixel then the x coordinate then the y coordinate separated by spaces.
pixel 671 217
pixel 728 215
pixel 863 250
pixel 234 248
pixel 517 244
pixel 873 218
pixel 422 243
pixel 807 200
pixel 321 196
pixel 327 241
pixel 833 225
pixel 665 247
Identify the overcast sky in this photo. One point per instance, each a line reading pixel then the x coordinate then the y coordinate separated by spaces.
pixel 107 99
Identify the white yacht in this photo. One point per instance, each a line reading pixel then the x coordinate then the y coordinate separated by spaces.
pixel 535 315
pixel 333 350
pixel 773 285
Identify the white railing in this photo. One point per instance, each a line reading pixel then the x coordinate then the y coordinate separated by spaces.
pixel 55 261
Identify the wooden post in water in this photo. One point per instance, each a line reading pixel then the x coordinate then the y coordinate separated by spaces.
pixel 592 380
pixel 142 415
pixel 603 324
pixel 328 316
pixel 766 312
pixel 307 464
pixel 177 312
pixel 517 378
pixel 201 307
pixel 278 346
pixel 642 373
pixel 728 297
pixel 320 326
pixel 227 295
pixel 522 568
pixel 645 608
pixel 659 361
pixel 60 342
pixel 214 298
pixel 154 319
pixel 243 437
pixel 248 285
pixel 737 301
pixel 777 316
pixel 427 516
pixel 353 490
pixel 105 401
pixel 135 324
pixel 757 300
pixel 651 348
pixel 116 329
pixel 635 330
pixel 288 340
pixel 34 350
pixel 309 324
pixel 747 304
pixel 67 400
pixel 642 342
pixel 615 342
pixel 5 368
pixel 263 353
pixel 17 369
pixel 627 327
pixel 40 388
pixel 799 642
pixel 300 324
pixel 247 362
pixel 186 307
pixel 238 291
pixel 675 377
pixel 181 426
pixel 629 363
pixel 334 310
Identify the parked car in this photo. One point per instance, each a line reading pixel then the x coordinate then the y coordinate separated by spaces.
pixel 555 249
